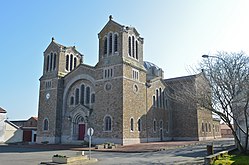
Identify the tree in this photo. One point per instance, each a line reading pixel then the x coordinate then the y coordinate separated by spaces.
pixel 228 76
pixel 223 90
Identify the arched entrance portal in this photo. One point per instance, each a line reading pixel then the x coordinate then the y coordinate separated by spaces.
pixel 79 127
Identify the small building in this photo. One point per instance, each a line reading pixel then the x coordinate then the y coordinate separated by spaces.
pixel 216 128
pixel 29 128
pixel 226 131
pixel 9 132
pixel 2 124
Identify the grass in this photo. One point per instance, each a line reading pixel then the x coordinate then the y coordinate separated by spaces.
pixel 233 160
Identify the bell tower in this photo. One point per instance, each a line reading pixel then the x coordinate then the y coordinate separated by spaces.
pixel 123 77
pixel 59 61
pixel 119 42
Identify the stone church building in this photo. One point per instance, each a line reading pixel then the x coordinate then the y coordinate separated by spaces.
pixel 123 98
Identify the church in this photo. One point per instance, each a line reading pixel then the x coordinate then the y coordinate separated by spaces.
pixel 123 98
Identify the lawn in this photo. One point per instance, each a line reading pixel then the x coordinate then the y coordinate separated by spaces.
pixel 233 160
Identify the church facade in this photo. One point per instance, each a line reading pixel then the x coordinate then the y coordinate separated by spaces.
pixel 123 98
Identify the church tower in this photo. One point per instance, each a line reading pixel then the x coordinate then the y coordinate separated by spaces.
pixel 59 60
pixel 123 78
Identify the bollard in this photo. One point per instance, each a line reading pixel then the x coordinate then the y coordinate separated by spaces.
pixel 210 150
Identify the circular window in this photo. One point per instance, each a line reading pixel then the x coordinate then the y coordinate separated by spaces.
pixel 135 88
pixel 108 86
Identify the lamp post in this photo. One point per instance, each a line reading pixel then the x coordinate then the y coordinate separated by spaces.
pixel 208 56
pixel 210 150
pixel 147 85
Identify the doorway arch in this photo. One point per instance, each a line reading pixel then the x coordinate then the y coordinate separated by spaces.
pixel 79 127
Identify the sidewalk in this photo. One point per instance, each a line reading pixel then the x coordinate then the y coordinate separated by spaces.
pixel 150 147
pixel 135 148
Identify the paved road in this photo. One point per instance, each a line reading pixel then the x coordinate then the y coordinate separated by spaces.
pixel 14 155
pixel 186 155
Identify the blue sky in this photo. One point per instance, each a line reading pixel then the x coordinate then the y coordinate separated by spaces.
pixel 176 34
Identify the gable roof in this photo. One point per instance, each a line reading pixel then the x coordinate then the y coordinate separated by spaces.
pixel 119 25
pixel 111 22
pixel 35 118
pixel 12 124
pixel 53 42
pixel 2 110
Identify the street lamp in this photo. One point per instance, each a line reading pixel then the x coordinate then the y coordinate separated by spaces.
pixel 207 56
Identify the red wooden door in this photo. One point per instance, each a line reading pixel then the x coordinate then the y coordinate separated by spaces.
pixel 81 131
pixel 27 136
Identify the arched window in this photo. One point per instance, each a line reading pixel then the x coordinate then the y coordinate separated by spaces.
pixel 115 43
pixel 132 124
pixel 74 62
pixel 129 46
pixel 108 123
pixel 82 94
pixel 167 126
pixel 202 127
pixel 164 100
pixel 139 125
pixel 133 46
pixel 93 98
pixel 71 62
pixel 105 45
pixel 136 50
pixel 77 94
pixel 51 62
pixel 154 101
pixel 108 73
pixel 161 124
pixel 67 62
pixel 206 125
pixel 160 97
pixel 47 63
pixel 157 98
pixel 54 61
pixel 45 125
pixel 154 125
pixel 110 43
pixel 71 100
pixel 87 95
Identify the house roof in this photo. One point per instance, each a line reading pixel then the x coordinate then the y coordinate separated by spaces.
pixel 2 110
pixel 33 117
pixel 12 124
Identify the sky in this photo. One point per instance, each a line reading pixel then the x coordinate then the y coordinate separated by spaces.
pixel 176 33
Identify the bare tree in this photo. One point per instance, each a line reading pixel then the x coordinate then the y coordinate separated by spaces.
pixel 228 76
pixel 223 88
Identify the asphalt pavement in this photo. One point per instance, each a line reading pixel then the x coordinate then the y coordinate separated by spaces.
pixel 150 153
